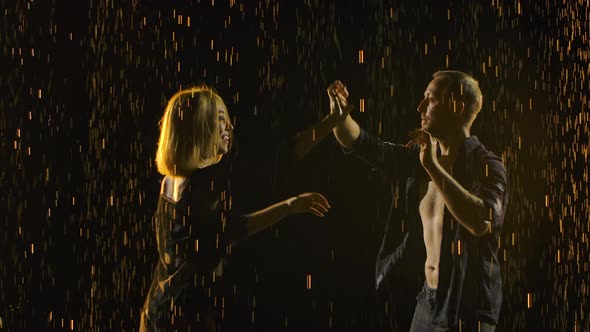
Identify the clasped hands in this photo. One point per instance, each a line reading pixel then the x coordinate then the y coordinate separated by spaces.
pixel 339 106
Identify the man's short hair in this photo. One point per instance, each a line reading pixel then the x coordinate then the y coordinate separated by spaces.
pixel 463 87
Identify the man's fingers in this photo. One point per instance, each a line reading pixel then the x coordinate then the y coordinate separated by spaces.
pixel 345 92
pixel 338 93
pixel 343 103
pixel 348 109
pixel 333 88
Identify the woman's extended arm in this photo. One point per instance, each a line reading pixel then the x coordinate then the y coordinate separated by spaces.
pixel 307 202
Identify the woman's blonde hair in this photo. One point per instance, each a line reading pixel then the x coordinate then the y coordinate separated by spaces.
pixel 189 132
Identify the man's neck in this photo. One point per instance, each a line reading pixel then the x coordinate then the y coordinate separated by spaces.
pixel 451 143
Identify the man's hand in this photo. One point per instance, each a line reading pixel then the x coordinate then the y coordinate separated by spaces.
pixel 428 147
pixel 345 129
pixel 338 118
pixel 309 202
pixel 338 99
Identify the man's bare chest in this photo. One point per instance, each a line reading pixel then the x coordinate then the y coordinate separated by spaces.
pixel 431 205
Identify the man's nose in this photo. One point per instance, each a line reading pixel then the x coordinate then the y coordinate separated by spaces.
pixel 422 106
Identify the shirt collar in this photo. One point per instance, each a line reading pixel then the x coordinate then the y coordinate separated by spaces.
pixel 466 149
pixel 470 143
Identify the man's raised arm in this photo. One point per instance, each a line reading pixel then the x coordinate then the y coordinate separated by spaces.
pixel 347 130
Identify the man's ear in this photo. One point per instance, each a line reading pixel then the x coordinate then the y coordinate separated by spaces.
pixel 458 106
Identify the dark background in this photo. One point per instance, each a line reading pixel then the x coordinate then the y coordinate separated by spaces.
pixel 84 84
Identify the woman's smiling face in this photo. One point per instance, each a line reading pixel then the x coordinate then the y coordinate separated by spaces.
pixel 225 131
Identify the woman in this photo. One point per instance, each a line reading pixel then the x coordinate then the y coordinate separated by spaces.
pixel 194 227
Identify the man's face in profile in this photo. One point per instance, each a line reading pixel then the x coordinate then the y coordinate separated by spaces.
pixel 436 114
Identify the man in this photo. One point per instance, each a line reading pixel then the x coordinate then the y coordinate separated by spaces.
pixel 453 195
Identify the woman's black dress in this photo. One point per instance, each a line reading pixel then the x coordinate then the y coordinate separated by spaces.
pixel 194 234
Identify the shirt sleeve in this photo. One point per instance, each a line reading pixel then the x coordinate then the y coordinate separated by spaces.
pixel 235 228
pixel 392 160
pixel 492 190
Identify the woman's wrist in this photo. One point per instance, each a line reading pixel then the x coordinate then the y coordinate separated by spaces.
pixel 289 203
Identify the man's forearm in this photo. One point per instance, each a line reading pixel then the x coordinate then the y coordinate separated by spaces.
pixel 308 139
pixel 347 131
pixel 467 208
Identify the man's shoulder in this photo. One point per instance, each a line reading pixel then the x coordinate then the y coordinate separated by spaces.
pixel 477 148
pixel 492 165
pixel 478 153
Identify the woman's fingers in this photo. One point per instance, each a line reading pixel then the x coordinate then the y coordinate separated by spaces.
pixel 335 88
pixel 344 105
pixel 318 206
pixel 315 211
pixel 314 203
pixel 418 136
pixel 412 142
pixel 338 95
pixel 415 138
pixel 319 197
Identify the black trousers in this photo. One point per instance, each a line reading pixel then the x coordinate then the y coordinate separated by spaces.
pixel 422 321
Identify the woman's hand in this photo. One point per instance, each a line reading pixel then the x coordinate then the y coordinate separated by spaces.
pixel 309 202
pixel 428 147
pixel 338 99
